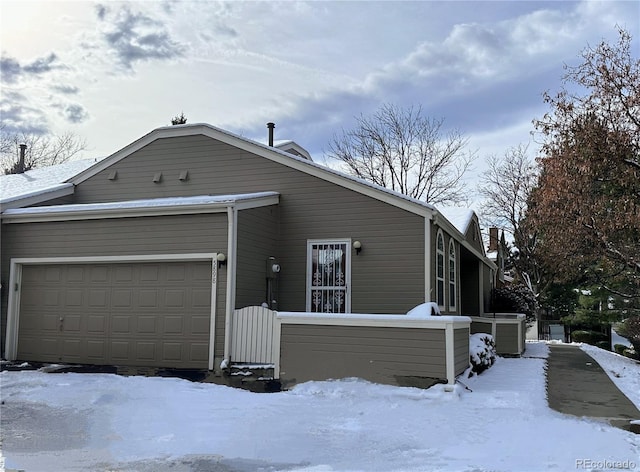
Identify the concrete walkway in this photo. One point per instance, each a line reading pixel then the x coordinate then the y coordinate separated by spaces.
pixel 577 385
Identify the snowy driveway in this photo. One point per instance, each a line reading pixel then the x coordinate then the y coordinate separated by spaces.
pixel 101 422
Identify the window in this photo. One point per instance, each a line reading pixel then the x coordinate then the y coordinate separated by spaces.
pixel 440 269
pixel 328 276
pixel 452 276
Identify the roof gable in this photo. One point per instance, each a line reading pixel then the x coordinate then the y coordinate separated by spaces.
pixel 274 154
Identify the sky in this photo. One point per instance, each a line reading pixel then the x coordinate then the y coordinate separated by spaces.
pixel 113 71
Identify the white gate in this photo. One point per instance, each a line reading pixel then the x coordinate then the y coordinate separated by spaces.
pixel 252 336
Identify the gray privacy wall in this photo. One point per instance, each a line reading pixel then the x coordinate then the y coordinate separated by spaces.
pixel 395 355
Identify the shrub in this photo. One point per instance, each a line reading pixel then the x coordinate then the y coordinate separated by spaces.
pixel 606 345
pixel 619 348
pixel 482 351
pixel 589 337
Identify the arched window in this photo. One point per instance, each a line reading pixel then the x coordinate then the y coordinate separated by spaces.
pixel 452 276
pixel 440 269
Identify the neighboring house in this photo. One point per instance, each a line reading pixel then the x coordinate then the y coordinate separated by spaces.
pixel 497 253
pixel 147 257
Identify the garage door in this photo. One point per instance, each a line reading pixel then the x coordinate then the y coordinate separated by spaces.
pixel 137 314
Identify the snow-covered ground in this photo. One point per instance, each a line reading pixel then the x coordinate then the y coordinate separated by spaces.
pixel 103 422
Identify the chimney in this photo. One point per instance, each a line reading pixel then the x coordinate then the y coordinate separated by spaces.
pixel 493 239
pixel 23 150
pixel 271 126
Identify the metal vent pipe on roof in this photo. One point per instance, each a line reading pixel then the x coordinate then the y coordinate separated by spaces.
pixel 271 126
pixel 23 150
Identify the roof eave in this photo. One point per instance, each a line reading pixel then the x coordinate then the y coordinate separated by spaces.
pixel 159 210
pixel 34 198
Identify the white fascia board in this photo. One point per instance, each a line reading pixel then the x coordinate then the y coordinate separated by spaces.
pixel 195 256
pixel 134 209
pixel 371 320
pixel 39 196
pixel 268 152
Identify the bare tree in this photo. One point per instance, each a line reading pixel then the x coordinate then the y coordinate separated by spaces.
pixel 405 151
pixel 506 187
pixel 42 150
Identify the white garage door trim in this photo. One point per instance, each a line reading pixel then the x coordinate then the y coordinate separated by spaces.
pixel 15 287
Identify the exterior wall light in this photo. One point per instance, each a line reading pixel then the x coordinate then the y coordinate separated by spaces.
pixel 222 259
pixel 357 245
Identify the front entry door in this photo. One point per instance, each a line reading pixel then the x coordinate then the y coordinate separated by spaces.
pixel 329 276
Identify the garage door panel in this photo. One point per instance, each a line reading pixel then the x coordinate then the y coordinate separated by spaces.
pixel 76 274
pixel 172 352
pixel 99 298
pixel 146 353
pixel 200 298
pixel 122 298
pixel 148 298
pixel 150 273
pixel 173 325
pixel 97 324
pixel 174 298
pixel 199 352
pixel 147 314
pixel 73 324
pixel 53 274
pixel 176 273
pixel 121 352
pixel 121 325
pixel 96 351
pixel 99 273
pixel 147 325
pixel 200 325
pixel 74 298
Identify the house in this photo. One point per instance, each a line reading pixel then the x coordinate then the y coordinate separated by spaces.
pixel 163 253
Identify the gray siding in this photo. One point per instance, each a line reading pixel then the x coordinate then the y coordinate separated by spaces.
pixel 507 337
pixel 478 326
pixel 473 235
pixel 507 334
pixel 378 354
pixel 257 240
pixel 461 349
pixel 387 277
pixel 116 237
pixel 487 285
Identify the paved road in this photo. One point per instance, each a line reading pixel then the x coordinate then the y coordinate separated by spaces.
pixel 577 385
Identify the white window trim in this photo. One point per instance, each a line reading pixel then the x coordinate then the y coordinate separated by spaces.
pixel 310 243
pixel 15 288
pixel 454 282
pixel 444 270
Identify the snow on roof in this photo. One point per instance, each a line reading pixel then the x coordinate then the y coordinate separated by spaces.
pixel 460 218
pixel 148 203
pixel 234 139
pixel 40 180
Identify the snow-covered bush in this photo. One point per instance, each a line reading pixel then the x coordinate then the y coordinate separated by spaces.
pixel 630 329
pixel 424 310
pixel 482 351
